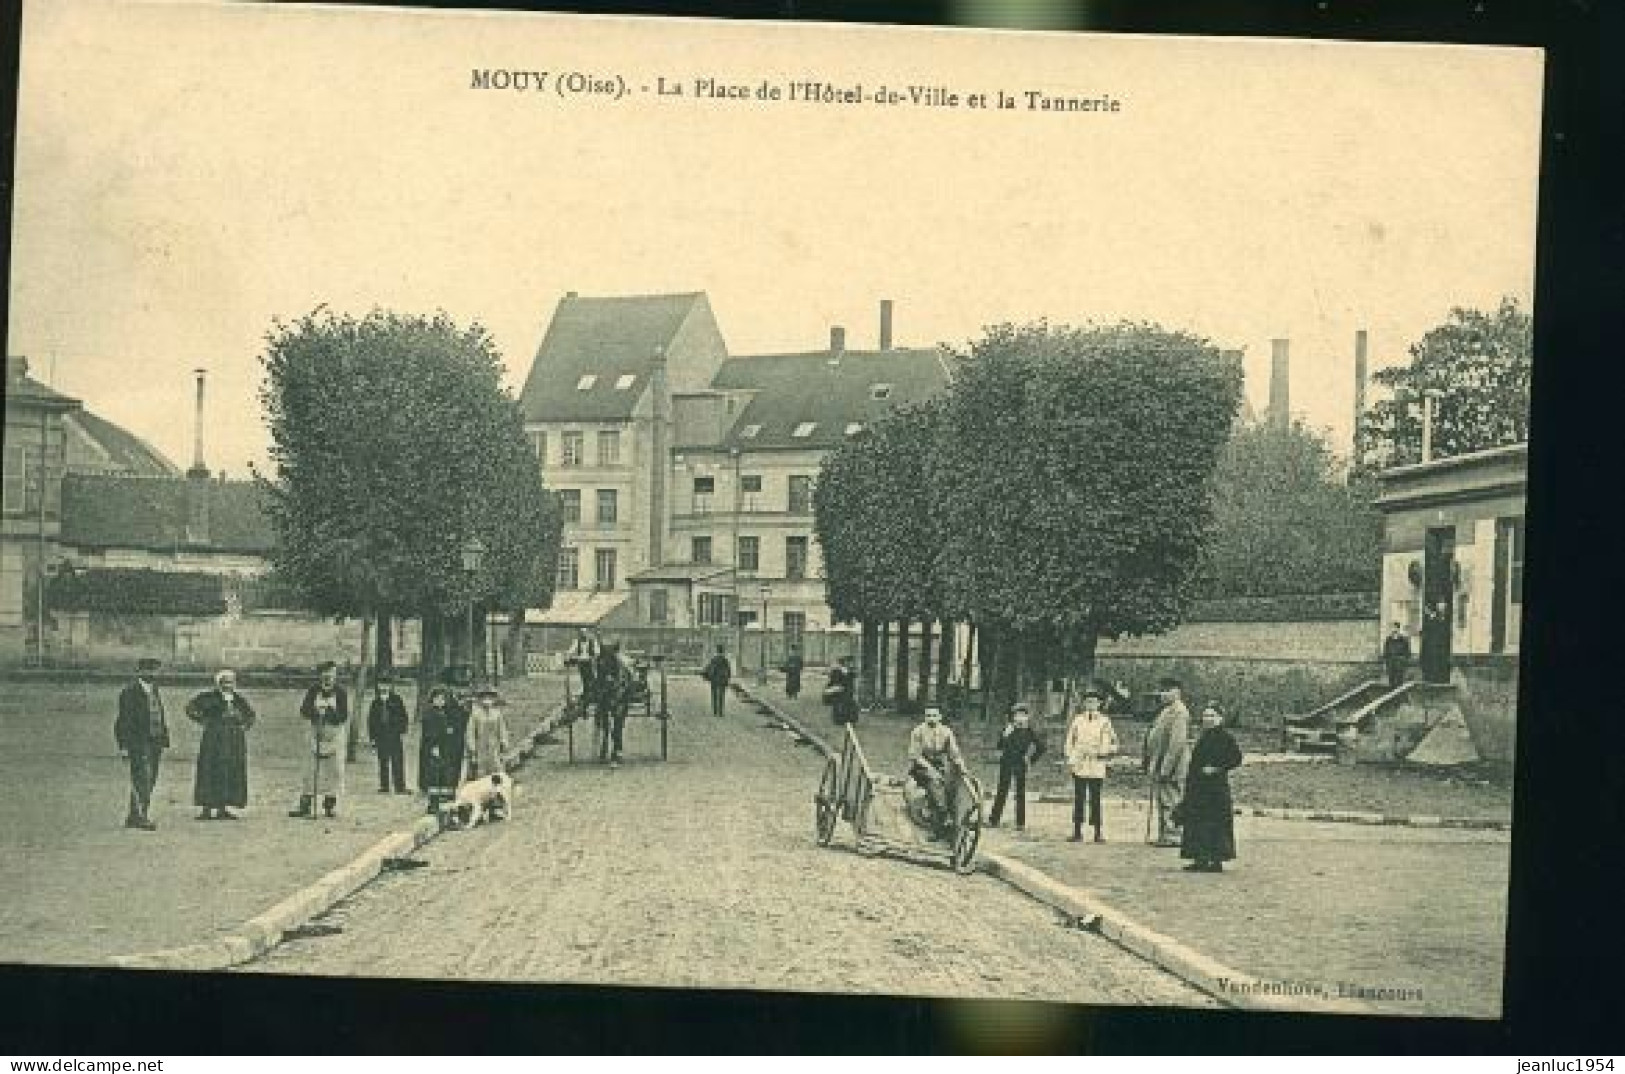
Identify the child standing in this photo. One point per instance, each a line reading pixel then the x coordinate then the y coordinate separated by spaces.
pixel 1089 742
pixel 1019 746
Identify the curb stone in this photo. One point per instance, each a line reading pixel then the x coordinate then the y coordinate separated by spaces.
pixel 1191 966
pixel 264 932
pixel 1340 816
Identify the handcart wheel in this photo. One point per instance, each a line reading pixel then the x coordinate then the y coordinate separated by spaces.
pixel 827 803
pixel 867 845
pixel 966 837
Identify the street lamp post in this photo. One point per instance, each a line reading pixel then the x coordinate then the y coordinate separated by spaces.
pixel 761 672
pixel 473 557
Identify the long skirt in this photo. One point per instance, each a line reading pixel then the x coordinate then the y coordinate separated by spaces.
pixel 1209 820
pixel 222 768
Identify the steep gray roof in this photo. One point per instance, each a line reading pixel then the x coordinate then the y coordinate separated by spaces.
pixel 114 448
pixel 813 386
pixel 609 337
pixel 126 511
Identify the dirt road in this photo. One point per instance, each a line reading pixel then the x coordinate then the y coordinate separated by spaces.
pixel 702 871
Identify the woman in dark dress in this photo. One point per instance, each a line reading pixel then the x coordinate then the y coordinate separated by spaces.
pixel 440 750
pixel 1206 811
pixel 222 752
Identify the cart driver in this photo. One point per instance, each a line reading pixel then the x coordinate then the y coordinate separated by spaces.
pixel 931 749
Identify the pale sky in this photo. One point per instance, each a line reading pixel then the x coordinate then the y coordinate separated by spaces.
pixel 186 173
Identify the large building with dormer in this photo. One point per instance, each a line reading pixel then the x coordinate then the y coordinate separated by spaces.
pixel 687 473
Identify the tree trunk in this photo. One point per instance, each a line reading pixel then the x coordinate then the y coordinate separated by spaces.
pixel 1083 656
pixel 885 660
pixel 478 655
pixel 900 687
pixel 385 658
pixel 432 658
pixel 945 658
pixel 515 644
pixel 923 690
pixel 358 693
pixel 868 658
pixel 990 645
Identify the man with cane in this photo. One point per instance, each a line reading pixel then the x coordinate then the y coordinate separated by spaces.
pixel 327 708
pixel 1166 755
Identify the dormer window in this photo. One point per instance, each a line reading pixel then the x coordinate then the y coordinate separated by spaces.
pixel 624 381
pixel 749 432
pixel 853 428
pixel 804 430
pixel 878 392
pixel 586 382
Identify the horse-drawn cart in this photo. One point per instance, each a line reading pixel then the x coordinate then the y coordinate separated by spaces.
pixel 890 814
pixel 642 699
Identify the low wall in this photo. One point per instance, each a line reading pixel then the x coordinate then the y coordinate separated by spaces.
pixel 1256 691
pixel 265 639
pixel 1487 689
pixel 1336 640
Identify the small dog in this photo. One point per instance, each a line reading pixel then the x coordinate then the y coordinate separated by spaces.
pixel 482 800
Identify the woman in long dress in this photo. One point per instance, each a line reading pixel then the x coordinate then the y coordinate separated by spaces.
pixel 222 753
pixel 487 735
pixel 1206 811
pixel 440 750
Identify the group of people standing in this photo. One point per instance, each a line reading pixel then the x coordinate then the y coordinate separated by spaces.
pixel 458 741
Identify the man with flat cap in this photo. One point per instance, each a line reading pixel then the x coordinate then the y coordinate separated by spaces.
pixel 142 736
pixel 1167 756
pixel 386 730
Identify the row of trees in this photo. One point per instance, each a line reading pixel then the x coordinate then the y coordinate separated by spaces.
pixel 1059 492
pixel 395 446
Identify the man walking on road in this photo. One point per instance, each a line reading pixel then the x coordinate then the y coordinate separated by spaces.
pixel 718 673
pixel 386 728
pixel 1166 754
pixel 1396 656
pixel 142 735
pixel 1019 746
pixel 792 673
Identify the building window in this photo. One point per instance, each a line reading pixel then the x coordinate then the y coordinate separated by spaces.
pixel 624 382
pixel 746 617
pixel 750 554
pixel 586 382
pixel 795 558
pixel 701 550
pixel 879 391
pixel 569 575
pixel 704 486
pixel 800 494
pixel 570 503
pixel 604 561
pixel 713 609
pixel 538 446
pixel 795 625
pixel 749 432
pixel 573 449
pixel 609 447
pixel 750 483
pixel 608 507
pixel 804 430
pixel 659 607
pixel 17 490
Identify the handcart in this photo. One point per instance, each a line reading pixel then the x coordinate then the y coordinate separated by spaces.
pixel 892 815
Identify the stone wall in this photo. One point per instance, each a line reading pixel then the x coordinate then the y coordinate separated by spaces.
pixel 264 639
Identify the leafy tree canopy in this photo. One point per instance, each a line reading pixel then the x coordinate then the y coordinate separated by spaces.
pixel 1479 363
pixel 394 442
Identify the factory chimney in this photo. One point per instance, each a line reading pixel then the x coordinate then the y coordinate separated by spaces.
pixel 885 324
pixel 1359 394
pixel 1280 410
pixel 197 479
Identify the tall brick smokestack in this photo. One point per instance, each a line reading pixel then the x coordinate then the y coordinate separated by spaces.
pixel 837 340
pixel 1359 392
pixel 1280 411
pixel 885 324
pixel 197 479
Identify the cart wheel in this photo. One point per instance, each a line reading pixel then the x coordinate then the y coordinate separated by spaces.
pixel 826 803
pixel 967 834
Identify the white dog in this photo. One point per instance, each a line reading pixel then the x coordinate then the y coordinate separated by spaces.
pixel 481 800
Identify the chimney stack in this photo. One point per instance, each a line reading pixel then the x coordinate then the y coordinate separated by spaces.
pixel 197 479
pixel 1359 393
pixel 1280 411
pixel 837 340
pixel 885 324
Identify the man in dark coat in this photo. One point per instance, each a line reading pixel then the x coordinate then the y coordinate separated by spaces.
pixel 222 749
pixel 386 729
pixel 142 736
pixel 718 673
pixel 839 692
pixel 1019 746
pixel 792 673
pixel 1396 656
pixel 583 656
pixel 1205 813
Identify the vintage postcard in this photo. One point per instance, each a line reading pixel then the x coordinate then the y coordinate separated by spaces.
pixel 798 507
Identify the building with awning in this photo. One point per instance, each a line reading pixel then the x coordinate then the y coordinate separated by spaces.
pixel 683 595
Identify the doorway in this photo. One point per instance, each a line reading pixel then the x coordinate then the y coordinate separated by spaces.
pixel 1438 602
